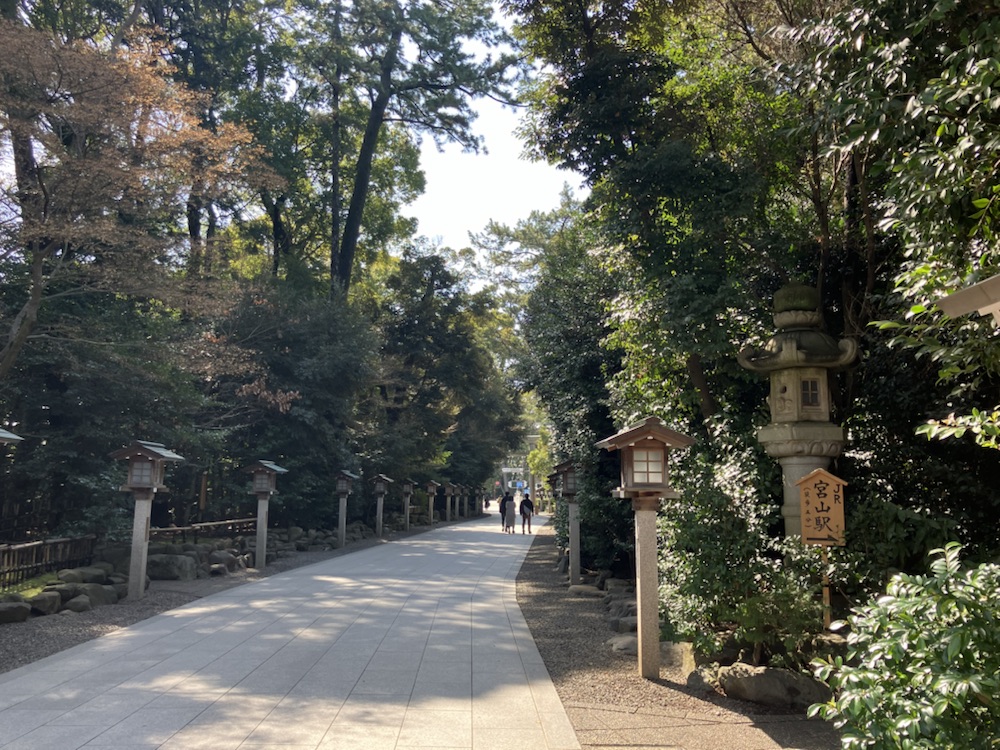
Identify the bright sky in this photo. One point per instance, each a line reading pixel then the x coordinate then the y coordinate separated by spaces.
pixel 465 191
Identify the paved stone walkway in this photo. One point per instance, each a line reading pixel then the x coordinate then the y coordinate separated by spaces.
pixel 418 643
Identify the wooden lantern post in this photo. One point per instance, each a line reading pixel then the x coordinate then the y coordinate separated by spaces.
pixel 344 479
pixel 432 489
pixel 146 464
pixel 407 487
pixel 644 449
pixel 567 475
pixel 449 490
pixel 382 483
pixel 264 485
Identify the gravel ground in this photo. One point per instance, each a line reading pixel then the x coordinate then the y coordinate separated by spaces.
pixel 570 633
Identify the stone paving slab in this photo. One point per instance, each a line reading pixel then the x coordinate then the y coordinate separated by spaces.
pixel 600 727
pixel 414 644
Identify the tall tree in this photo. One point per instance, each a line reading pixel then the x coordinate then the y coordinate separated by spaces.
pixel 409 63
pixel 102 148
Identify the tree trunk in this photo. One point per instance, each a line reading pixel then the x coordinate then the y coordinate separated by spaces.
pixel 335 155
pixel 196 255
pixel 281 243
pixel 696 372
pixel 363 170
pixel 27 316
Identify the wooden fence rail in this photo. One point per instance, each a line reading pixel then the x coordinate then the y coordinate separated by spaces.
pixel 25 560
pixel 19 562
pixel 208 528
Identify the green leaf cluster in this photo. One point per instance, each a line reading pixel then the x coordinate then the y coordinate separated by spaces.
pixel 923 662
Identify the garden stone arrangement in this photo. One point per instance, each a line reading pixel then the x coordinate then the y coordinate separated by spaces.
pixel 724 672
pixel 105 581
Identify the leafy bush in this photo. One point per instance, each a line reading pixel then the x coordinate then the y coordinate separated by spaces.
pixel 722 573
pixel 560 522
pixel 110 517
pixel 923 663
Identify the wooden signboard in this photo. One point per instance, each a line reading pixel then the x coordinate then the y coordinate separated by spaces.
pixel 822 497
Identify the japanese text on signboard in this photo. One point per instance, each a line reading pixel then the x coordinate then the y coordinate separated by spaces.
pixel 822 496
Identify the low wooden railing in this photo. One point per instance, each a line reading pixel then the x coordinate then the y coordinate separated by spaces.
pixel 208 528
pixel 24 560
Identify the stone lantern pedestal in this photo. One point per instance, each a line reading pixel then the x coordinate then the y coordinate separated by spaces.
pixel 800 449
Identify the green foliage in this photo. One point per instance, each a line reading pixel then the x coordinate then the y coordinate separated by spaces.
pixel 722 574
pixel 311 358
pixel 914 86
pixel 560 522
pixel 540 461
pixel 109 516
pixel 923 663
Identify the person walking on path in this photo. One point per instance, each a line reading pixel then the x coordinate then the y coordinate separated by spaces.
pixel 511 510
pixel 504 502
pixel 527 511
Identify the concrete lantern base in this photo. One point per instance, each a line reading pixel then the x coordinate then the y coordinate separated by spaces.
pixel 260 553
pixel 647 586
pixel 800 447
pixel 574 542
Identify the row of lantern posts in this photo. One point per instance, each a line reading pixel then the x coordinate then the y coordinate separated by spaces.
pixel 644 448
pixel 146 466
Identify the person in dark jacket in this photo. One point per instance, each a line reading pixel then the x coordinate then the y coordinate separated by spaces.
pixel 503 510
pixel 527 511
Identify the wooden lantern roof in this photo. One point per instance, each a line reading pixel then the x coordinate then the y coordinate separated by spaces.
pixel 267 466
pixel 649 428
pixel 147 449
pixel 9 437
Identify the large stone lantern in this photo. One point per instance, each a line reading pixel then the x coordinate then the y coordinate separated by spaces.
pixel 799 358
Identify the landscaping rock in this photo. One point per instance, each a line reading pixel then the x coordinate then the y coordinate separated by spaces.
pixel 628 624
pixel 705 677
pixel 99 594
pixel 624 644
pixel 78 604
pixel 93 574
pixel 223 557
pixel 171 568
pixel 583 589
pixel 45 603
pixel 681 655
pixel 14 612
pixel 619 585
pixel 66 591
pixel 70 575
pixel 772 687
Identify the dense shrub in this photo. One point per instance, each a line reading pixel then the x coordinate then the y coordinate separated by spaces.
pixel 923 663
pixel 723 574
